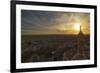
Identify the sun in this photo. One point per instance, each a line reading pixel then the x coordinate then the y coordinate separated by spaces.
pixel 77 26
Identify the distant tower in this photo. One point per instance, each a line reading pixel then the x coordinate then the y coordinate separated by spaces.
pixel 80 44
pixel 80 32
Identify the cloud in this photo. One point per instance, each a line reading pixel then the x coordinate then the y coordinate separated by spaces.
pixel 49 22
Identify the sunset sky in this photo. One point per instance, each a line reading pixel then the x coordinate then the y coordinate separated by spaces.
pixel 51 22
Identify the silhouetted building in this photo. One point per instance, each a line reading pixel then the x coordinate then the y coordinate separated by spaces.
pixel 80 44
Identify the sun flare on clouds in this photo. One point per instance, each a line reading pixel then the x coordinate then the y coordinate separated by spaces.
pixel 51 22
pixel 77 26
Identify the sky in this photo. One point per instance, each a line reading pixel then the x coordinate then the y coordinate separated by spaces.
pixel 51 22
